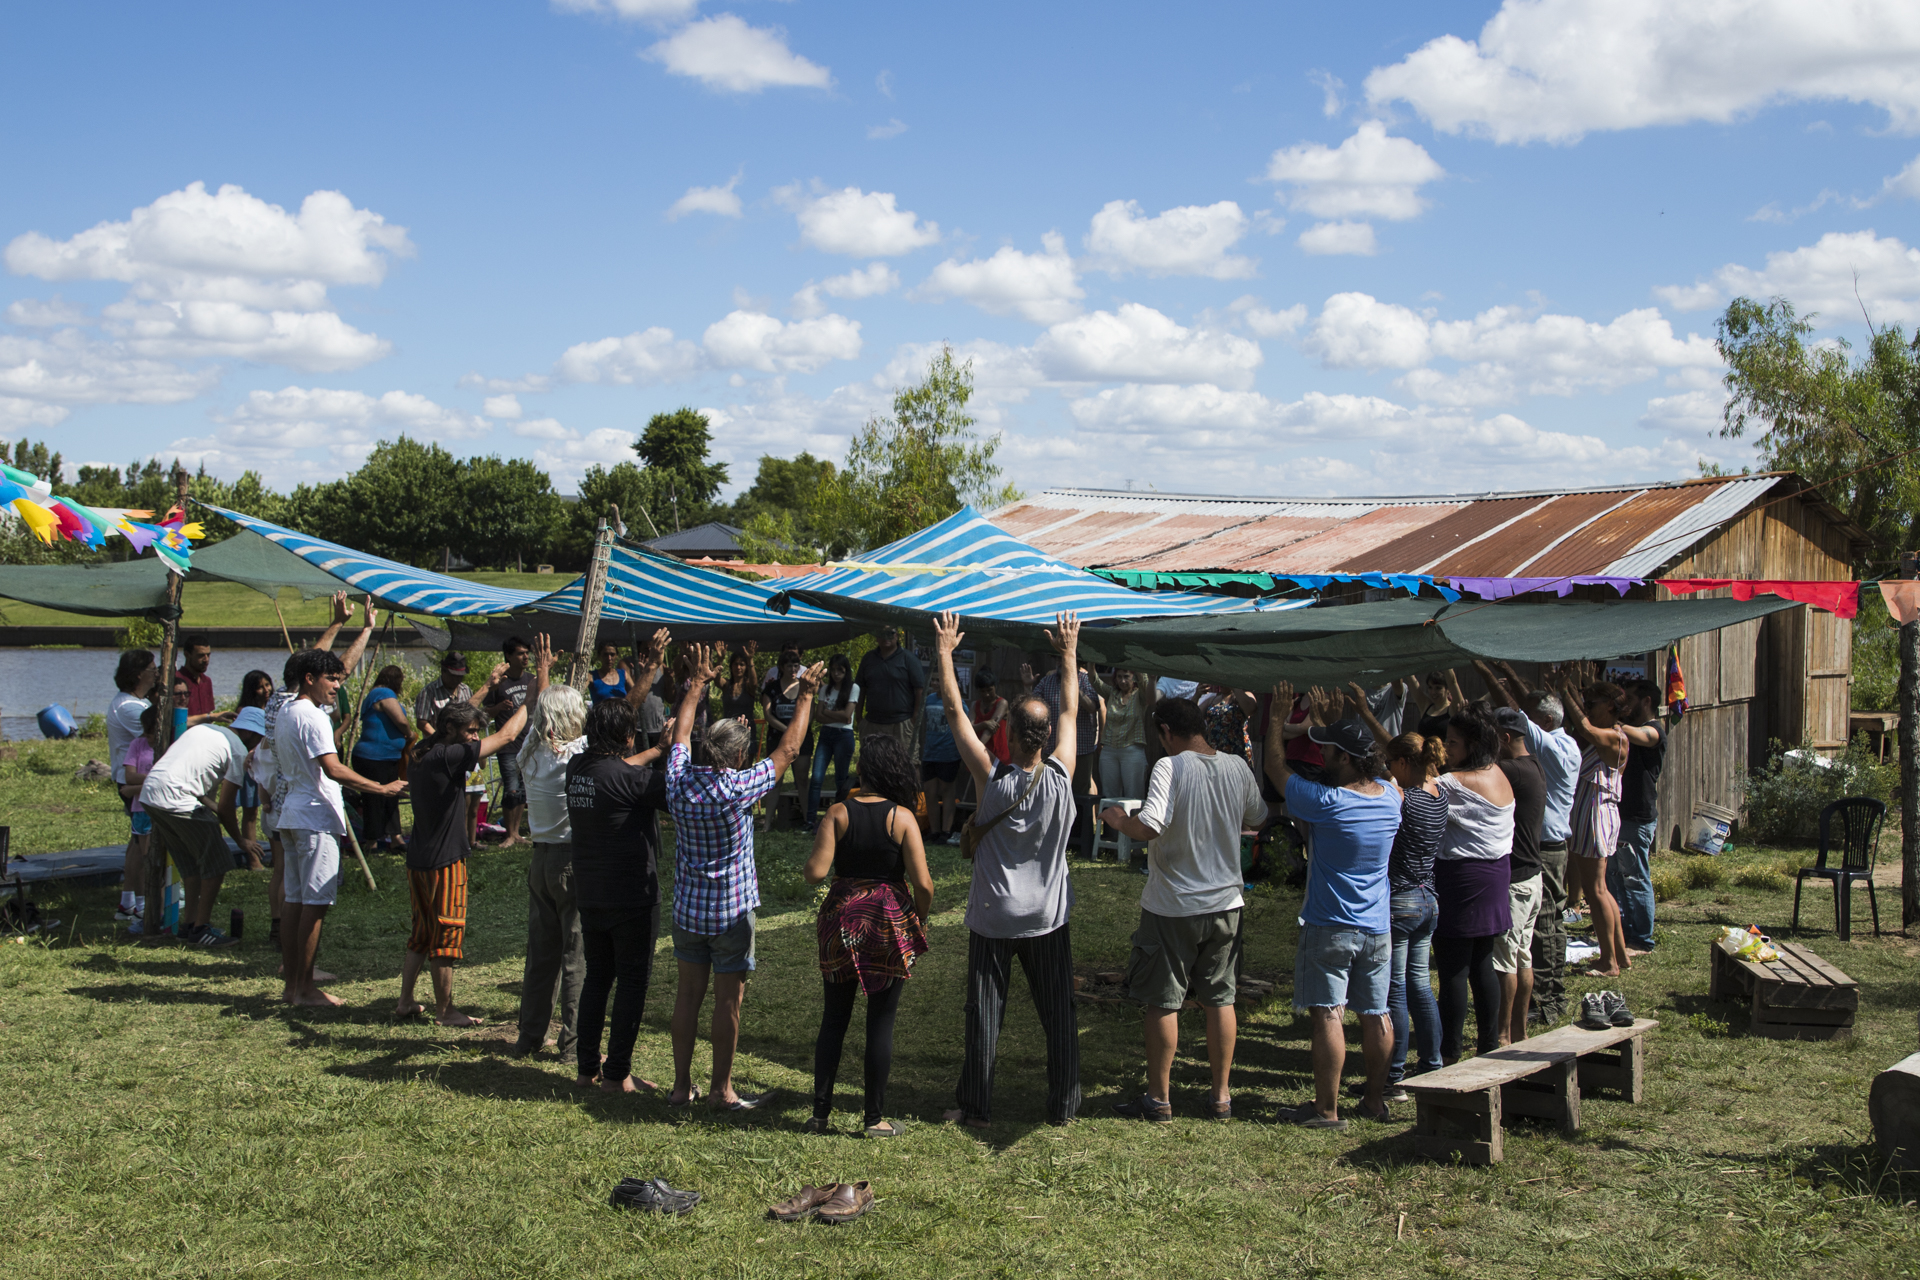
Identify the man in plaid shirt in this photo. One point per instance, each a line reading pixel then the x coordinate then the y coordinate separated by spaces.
pixel 715 884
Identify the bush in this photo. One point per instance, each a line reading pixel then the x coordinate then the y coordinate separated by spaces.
pixel 1702 873
pixel 1784 797
pixel 1668 885
pixel 1762 876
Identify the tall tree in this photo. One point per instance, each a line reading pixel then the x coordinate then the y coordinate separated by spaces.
pixel 624 485
pixel 914 468
pixel 401 504
pixel 1829 414
pixel 674 450
pixel 507 511
pixel 775 513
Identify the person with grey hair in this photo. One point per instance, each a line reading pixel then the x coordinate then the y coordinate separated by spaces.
pixel 1559 758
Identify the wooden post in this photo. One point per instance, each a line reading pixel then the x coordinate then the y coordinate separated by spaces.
pixel 591 598
pixel 1909 774
pixel 170 631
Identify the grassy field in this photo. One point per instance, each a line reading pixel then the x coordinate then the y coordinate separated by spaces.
pixel 228 604
pixel 169 1118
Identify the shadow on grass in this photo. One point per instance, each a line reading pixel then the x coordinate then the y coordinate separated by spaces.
pixel 1859 1170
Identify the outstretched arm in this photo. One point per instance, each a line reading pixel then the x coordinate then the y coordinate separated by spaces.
pixel 1501 691
pixel 646 668
pixel 1358 704
pixel 351 658
pixel 1276 752
pixel 505 734
pixel 796 733
pixel 1066 740
pixel 947 636
pixel 696 691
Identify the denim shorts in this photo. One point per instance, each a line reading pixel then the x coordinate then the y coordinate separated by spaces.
pixel 1335 967
pixel 142 822
pixel 513 785
pixel 729 952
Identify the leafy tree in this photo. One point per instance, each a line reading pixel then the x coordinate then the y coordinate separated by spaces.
pixel 624 485
pixel 1830 415
pixel 775 513
pixel 505 511
pixel 674 450
pixel 35 458
pixel 403 503
pixel 914 468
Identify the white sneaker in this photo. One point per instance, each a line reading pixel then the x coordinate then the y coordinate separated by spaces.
pixel 123 914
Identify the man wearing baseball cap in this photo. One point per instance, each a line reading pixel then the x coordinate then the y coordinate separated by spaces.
pixel 1346 924
pixel 450 686
pixel 206 759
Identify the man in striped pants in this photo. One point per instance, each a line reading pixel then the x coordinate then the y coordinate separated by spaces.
pixel 1020 898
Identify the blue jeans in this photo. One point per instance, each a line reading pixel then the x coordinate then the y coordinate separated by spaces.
pixel 1630 881
pixel 836 743
pixel 1415 912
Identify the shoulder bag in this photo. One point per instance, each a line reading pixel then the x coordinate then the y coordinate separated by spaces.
pixel 973 830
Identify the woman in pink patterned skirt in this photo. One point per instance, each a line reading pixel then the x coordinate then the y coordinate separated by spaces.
pixel 871 930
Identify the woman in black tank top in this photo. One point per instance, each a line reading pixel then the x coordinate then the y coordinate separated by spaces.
pixel 871 930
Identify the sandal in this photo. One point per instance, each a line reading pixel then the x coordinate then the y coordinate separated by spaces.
pixel 885 1129
pixel 1219 1110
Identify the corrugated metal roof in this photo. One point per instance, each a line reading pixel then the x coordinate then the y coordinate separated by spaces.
pixel 1617 530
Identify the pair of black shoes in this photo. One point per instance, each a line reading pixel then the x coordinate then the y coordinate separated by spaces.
pixel 653 1195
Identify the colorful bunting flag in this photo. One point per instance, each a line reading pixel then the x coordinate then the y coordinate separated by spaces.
pixel 46 514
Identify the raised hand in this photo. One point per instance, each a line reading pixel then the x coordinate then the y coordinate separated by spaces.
pixel 341 609
pixel 1283 700
pixel 657 647
pixel 947 634
pixel 705 664
pixel 1067 639
pixel 373 614
pixel 812 678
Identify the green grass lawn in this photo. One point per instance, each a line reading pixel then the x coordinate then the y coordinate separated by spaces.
pixel 167 1117
pixel 228 604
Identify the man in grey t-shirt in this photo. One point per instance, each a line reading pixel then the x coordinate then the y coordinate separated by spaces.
pixel 1018 903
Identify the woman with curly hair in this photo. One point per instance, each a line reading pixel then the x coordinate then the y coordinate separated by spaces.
pixel 1471 876
pixel 870 931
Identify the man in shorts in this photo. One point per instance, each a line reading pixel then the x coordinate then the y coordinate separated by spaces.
pixel 715 884
pixel 1513 955
pixel 1188 941
pixel 1346 947
pixel 205 759
pixel 311 818
pixel 437 853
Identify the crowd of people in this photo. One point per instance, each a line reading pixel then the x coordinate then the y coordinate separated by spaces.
pixel 1439 860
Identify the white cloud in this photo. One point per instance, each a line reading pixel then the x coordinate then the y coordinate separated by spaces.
pixel 504 406
pixel 1820 277
pixel 891 129
pixel 1368 175
pixel 70 367
pixel 721 201
pixel 1138 344
pixel 1191 240
pixel 17 414
pixel 46 313
pixel 1552 70
pixel 565 454
pixel 749 340
pixel 723 52
pixel 647 355
pixel 533 382
pixel 1041 287
pixel 1695 412
pixel 1270 324
pixel 1357 331
pixel 1325 239
pixel 227 275
pixel 313 433
pixel 660 11
pixel 859 224
pixel 1330 87
pixel 1904 183
pixel 869 281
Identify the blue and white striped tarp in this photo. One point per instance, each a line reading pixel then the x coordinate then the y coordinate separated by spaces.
pixel 644 586
pixel 395 585
pixel 969 565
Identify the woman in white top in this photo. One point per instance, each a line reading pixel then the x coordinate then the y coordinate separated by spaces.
pixel 1470 877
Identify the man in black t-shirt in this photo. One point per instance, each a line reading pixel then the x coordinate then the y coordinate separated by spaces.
pixel 1513 955
pixel 1630 870
pixel 507 693
pixel 437 853
pixel 893 686
pixel 614 800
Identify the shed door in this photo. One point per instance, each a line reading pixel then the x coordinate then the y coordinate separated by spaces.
pixel 1829 675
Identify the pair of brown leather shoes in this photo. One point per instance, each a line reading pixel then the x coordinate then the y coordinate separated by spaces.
pixel 835 1203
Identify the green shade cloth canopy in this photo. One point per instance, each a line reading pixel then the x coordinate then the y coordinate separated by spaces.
pixel 138 588
pixel 1371 642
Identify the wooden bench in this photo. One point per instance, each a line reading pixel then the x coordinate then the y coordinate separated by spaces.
pixel 1797 997
pixel 1462 1108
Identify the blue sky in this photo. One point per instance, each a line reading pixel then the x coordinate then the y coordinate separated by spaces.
pixel 1252 248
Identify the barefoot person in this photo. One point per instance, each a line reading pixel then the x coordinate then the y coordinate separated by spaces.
pixel 1188 941
pixel 870 929
pixel 1020 897
pixel 1593 718
pixel 715 884
pixel 311 817
pixel 614 799
pixel 437 854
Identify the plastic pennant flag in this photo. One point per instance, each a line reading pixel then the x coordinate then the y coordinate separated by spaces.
pixel 140 536
pixel 42 521
pixel 37 489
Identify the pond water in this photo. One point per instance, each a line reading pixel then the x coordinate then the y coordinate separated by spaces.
pixel 81 680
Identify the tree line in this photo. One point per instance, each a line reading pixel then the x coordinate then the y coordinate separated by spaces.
pixel 415 502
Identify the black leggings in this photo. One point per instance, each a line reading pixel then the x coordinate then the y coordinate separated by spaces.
pixel 619 950
pixel 1463 963
pixel 834 1021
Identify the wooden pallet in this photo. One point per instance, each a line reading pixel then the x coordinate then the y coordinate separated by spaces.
pixel 1463 1108
pixel 1797 997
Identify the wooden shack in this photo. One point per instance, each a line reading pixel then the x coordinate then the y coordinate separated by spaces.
pixel 1784 677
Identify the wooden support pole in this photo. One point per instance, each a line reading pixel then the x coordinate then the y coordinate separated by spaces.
pixel 1909 775
pixel 591 598
pixel 170 632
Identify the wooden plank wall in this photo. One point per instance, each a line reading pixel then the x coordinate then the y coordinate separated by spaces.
pixel 1782 677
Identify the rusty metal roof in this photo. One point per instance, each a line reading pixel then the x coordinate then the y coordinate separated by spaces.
pixel 1617 530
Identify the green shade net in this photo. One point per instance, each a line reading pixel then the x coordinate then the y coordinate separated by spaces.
pixel 1367 642
pixel 1148 579
pixel 138 588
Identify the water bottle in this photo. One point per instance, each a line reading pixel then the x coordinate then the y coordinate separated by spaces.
pixel 176 899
